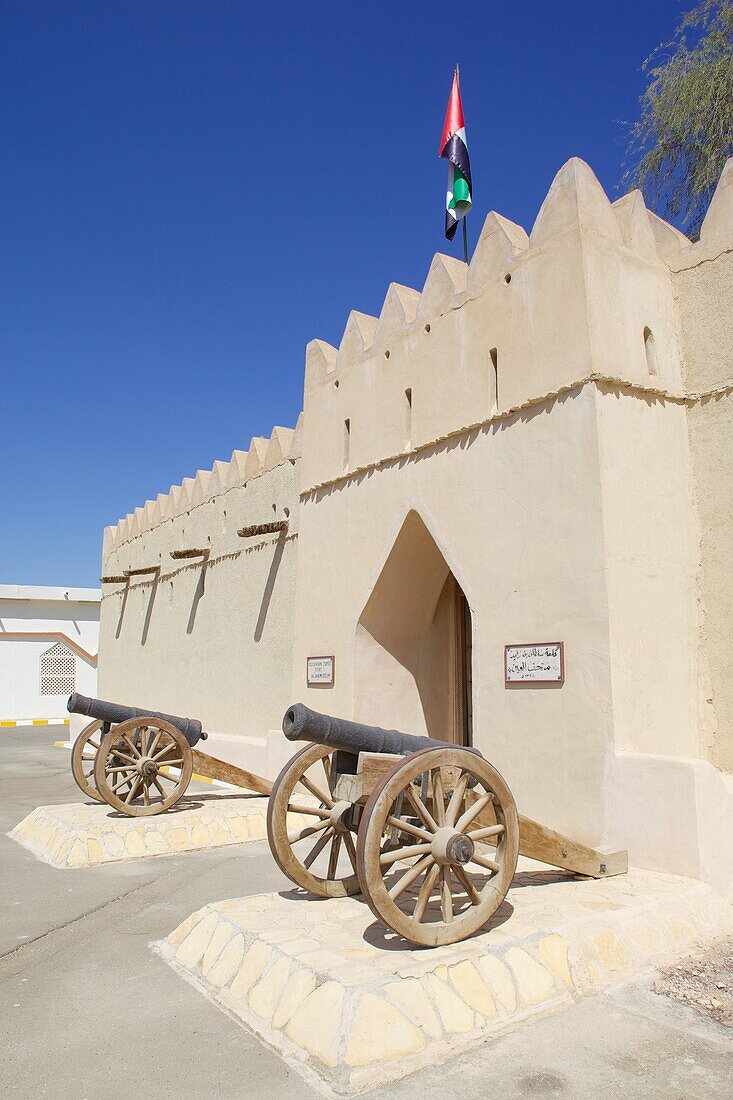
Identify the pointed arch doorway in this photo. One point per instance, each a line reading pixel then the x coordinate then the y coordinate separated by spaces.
pixel 413 644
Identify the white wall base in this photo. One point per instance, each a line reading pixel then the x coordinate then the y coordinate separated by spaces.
pixel 674 814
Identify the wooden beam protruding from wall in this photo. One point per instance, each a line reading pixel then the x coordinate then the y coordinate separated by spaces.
pixel 263 528
pixel 178 555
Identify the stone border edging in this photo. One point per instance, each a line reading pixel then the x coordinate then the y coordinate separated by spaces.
pixel 86 834
pixel 306 977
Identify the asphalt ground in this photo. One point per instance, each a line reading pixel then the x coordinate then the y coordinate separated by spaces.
pixel 88 1012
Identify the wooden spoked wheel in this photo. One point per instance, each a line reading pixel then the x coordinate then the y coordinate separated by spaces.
pixel 456 851
pixel 83 755
pixel 143 766
pixel 320 857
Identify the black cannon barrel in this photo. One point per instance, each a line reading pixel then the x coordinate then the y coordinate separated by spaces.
pixel 303 724
pixel 117 712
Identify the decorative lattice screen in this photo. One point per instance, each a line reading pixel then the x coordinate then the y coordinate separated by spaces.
pixel 57 671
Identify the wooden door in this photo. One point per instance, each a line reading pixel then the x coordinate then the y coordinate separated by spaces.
pixel 463 670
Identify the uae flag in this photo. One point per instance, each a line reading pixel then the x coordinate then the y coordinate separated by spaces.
pixel 453 147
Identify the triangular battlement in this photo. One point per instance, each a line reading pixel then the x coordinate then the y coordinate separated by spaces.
pixel 575 204
pixel 399 310
pixel 575 200
pixel 532 313
pixel 632 218
pixel 263 455
pixel 500 243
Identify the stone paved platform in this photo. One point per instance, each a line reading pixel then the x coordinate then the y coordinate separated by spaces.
pixel 80 834
pixel 336 993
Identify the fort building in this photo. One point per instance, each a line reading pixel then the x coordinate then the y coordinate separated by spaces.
pixel 536 448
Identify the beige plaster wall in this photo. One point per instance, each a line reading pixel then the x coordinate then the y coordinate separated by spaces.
pixel 704 295
pixel 514 511
pixel 213 642
pixel 704 299
pixel 711 440
pixel 651 562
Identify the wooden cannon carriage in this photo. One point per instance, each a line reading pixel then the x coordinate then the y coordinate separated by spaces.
pixel 428 832
pixel 140 762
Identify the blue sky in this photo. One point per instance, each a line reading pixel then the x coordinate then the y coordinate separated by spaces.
pixel 189 192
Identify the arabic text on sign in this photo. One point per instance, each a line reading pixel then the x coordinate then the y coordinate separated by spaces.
pixel 534 662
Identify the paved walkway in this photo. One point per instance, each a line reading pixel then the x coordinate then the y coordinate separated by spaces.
pixel 81 993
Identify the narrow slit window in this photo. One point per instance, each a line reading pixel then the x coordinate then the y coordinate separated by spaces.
pixel 347 443
pixel 494 380
pixel 651 353
pixel 408 417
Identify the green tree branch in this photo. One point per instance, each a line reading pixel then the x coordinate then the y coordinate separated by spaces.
pixel 679 146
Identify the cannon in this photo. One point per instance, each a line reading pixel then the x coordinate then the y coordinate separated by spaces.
pixel 140 761
pixel 115 713
pixel 428 832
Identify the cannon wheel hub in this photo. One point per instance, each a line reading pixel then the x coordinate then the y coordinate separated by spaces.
pixel 338 813
pixel 452 846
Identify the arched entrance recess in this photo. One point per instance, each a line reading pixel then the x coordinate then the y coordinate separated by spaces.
pixel 413 644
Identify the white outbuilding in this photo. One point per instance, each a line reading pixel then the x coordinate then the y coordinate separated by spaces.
pixel 48 648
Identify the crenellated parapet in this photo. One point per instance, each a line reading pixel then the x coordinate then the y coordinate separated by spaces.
pixel 263 456
pixel 589 292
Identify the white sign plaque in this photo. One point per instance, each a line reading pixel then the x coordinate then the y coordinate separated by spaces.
pixel 320 670
pixel 538 663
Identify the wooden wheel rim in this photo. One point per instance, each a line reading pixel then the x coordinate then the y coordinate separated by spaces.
pixel 287 860
pixel 85 779
pixel 369 848
pixel 168 738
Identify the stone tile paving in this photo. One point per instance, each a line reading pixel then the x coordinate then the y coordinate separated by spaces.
pixel 81 834
pixel 330 988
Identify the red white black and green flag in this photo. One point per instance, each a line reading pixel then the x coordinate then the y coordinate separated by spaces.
pixel 454 148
